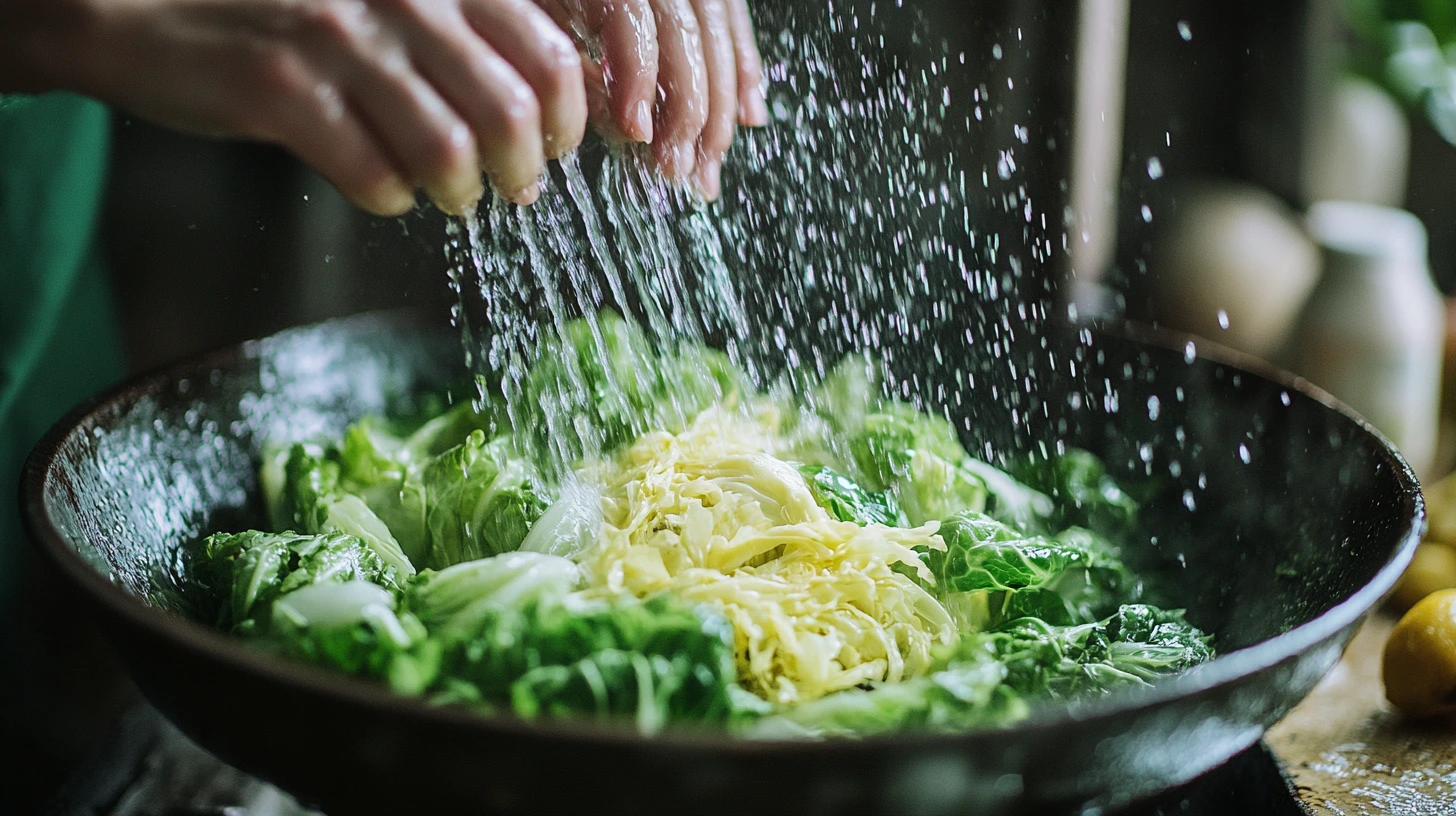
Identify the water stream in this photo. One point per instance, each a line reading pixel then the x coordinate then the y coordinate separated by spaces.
pixel 851 222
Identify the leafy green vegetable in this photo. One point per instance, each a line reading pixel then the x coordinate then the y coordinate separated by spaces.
pixel 983 553
pixel 443 432
pixel 851 391
pixel 1085 495
pixel 991 678
pixel 918 458
pixel 605 384
pixel 968 693
pixel 314 501
pixel 246 572
pixel 655 661
pixel 454 602
pixel 570 524
pixel 1011 501
pixel 353 627
pixel 481 500
pixel 847 501
pixel 496 512
pixel 1135 646
pixel 1074 577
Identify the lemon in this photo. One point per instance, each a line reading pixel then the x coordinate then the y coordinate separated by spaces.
pixel 1420 657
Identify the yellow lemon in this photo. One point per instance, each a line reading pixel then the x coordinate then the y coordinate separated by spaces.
pixel 1420 658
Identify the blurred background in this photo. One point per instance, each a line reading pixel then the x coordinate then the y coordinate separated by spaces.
pixel 1193 147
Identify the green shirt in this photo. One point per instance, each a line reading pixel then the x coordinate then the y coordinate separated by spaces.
pixel 58 345
pixel 57 332
pixel 57 335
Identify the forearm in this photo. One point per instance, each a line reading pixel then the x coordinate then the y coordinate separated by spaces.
pixel 41 45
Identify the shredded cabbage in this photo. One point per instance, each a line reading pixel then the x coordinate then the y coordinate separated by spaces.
pixel 713 516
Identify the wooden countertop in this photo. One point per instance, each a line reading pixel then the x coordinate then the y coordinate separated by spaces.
pixel 1349 752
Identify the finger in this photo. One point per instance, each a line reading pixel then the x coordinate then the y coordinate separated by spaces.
pixel 422 131
pixel 752 107
pixel 629 66
pixel 309 118
pixel 682 107
pixel 546 58
pixel 720 62
pixel 499 106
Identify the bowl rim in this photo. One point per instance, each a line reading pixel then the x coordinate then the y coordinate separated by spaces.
pixel 219 647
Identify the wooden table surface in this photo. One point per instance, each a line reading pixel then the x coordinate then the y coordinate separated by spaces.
pixel 1349 752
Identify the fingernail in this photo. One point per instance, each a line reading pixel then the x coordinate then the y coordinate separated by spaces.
pixel 528 195
pixel 460 202
pixel 710 179
pixel 640 122
pixel 676 160
pixel 394 197
pixel 757 109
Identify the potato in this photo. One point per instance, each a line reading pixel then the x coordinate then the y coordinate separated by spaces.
pixel 1441 510
pixel 1432 569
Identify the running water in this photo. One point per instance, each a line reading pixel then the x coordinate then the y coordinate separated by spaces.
pixel 850 223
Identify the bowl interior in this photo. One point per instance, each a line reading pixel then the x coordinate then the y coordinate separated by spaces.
pixel 1265 506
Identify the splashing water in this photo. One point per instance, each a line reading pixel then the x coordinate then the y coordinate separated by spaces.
pixel 853 222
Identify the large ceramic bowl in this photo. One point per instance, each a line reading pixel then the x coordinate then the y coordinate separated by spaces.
pixel 1275 516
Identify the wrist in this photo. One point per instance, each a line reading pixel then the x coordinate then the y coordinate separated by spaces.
pixel 39 44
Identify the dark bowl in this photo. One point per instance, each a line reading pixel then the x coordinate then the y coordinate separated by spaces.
pixel 1274 515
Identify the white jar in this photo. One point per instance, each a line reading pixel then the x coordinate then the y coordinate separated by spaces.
pixel 1373 330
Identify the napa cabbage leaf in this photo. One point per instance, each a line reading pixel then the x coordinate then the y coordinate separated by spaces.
pixel 1085 494
pixel 454 602
pixel 653 662
pixel 1073 577
pixel 481 499
pixel 240 575
pixel 847 501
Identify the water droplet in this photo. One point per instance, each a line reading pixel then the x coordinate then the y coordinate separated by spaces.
pixel 1188 500
pixel 1145 452
pixel 1244 455
pixel 1190 352
pixel 1223 319
pixel 1284 398
pixel 1155 408
pixel 1147 213
pixel 1184 30
pixel 996 51
pixel 1155 168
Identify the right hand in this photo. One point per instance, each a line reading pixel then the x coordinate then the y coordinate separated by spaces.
pixel 377 95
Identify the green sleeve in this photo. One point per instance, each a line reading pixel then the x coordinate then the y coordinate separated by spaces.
pixel 58 345
pixel 58 336
pixel 53 152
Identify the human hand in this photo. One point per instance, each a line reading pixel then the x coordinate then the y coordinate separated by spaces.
pixel 676 73
pixel 381 95
pixel 375 94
